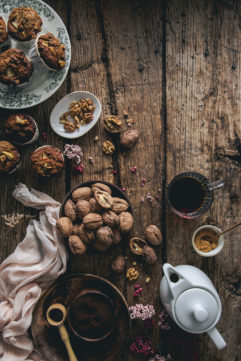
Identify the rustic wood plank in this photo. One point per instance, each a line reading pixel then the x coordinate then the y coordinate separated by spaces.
pixel 203 65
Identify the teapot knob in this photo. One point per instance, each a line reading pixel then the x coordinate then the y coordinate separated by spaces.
pixel 200 313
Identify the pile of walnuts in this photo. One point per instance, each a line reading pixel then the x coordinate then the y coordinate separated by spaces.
pixel 94 217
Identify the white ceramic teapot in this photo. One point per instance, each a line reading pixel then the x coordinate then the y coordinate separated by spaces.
pixel 191 299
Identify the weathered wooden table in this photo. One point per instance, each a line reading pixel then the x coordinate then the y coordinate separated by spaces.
pixel 175 66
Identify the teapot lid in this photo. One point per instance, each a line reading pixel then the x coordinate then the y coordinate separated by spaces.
pixel 196 310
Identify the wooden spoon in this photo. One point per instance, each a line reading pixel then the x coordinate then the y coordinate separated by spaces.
pixel 213 238
pixel 59 313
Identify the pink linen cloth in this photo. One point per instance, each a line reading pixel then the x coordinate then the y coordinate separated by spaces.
pixel 36 262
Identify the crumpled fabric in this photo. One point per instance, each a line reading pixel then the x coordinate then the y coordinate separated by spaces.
pixel 36 262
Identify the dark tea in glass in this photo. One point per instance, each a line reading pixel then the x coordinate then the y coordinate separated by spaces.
pixel 190 194
pixel 187 195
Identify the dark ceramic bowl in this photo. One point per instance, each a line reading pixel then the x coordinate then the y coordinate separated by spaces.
pixel 116 192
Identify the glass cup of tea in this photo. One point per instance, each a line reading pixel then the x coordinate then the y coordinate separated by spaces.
pixel 190 194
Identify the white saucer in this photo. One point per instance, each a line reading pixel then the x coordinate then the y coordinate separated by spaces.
pixel 63 106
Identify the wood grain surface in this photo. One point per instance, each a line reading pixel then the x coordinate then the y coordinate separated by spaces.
pixel 175 67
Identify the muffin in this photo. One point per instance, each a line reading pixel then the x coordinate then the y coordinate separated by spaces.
pixel 9 158
pixel 47 160
pixel 3 31
pixel 21 129
pixel 24 24
pixel 48 51
pixel 15 68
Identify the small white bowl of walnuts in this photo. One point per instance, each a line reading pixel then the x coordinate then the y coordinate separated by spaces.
pixel 94 216
pixel 75 114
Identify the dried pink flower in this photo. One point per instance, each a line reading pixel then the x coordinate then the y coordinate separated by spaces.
pixel 44 134
pixel 163 323
pixel 91 160
pixel 142 199
pixel 133 170
pixel 79 168
pixel 149 197
pixel 74 152
pixel 114 171
pixel 141 312
pixel 138 291
pixel 142 346
pixel 124 189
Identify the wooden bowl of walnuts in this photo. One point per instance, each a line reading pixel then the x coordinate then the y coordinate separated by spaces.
pixel 94 215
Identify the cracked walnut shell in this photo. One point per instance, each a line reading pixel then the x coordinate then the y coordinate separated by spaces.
pixel 112 124
pixel 136 245
pixel 104 199
pixel 101 187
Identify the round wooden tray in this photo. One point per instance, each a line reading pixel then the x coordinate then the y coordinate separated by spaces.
pixel 65 289
pixel 116 192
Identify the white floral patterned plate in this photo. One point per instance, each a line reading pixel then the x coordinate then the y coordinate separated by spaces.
pixel 41 85
pixel 63 106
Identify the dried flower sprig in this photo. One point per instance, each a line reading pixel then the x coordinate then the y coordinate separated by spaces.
pixel 142 346
pixel 163 323
pixel 157 357
pixel 73 152
pixel 141 312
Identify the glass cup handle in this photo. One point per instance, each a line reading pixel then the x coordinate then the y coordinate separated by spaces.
pixel 216 185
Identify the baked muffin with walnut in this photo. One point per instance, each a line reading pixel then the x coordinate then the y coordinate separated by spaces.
pixel 3 31
pixel 9 158
pixel 15 67
pixel 21 129
pixel 51 51
pixel 24 24
pixel 47 160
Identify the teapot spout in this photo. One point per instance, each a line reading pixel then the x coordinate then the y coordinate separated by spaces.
pixel 217 338
pixel 176 281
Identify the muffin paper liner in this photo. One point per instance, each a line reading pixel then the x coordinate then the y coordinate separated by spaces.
pixel 34 138
pixel 36 59
pixel 14 169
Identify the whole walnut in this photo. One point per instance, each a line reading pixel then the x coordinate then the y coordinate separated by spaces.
pixel 149 255
pixel 104 237
pixel 129 138
pixel 69 210
pixel 82 208
pixel 94 206
pixel 153 235
pixel 116 236
pixel 110 218
pixel 86 236
pixel 65 226
pixel 81 193
pixel 77 246
pixel 92 221
pixel 119 205
pixel 125 222
pixel 118 264
pixel 104 199
pixel 101 187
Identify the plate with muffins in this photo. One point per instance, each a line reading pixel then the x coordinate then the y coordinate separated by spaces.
pixel 35 53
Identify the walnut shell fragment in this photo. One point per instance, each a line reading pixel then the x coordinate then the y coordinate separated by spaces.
pixel 77 246
pixel 112 124
pixel 104 199
pixel 136 245
pixel 125 222
pixel 81 193
pixel 129 139
pixel 92 221
pixel 65 226
pixel 69 210
pixel 149 255
pixel 118 264
pixel 104 237
pixel 153 235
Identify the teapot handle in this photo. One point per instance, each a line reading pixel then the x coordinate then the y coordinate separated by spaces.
pixel 217 338
pixel 176 281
